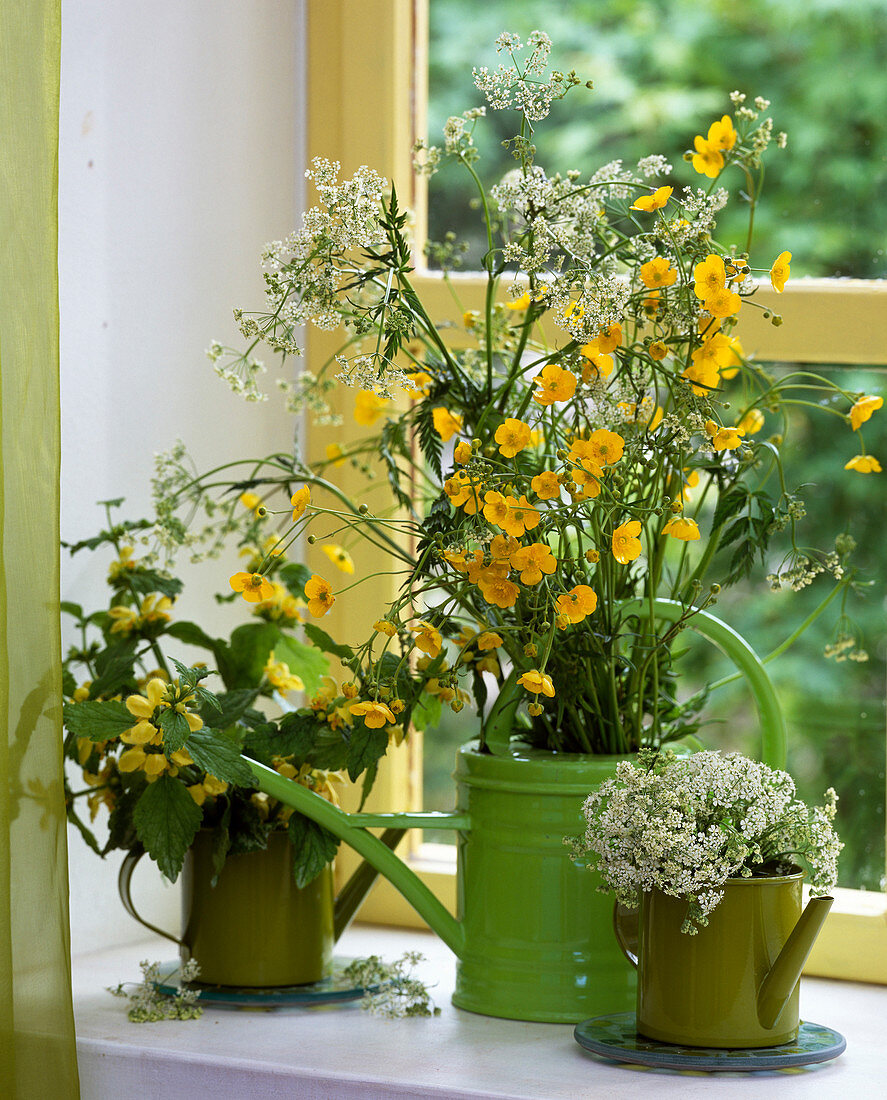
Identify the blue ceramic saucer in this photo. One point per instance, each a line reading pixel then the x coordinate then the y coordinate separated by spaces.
pixel 616 1037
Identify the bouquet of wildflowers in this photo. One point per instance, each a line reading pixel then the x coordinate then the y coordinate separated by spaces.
pixel 591 439
pixel 685 825
pixel 160 751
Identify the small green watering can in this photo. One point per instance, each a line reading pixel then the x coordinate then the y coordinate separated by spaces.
pixel 533 938
pixel 735 983
pixel 250 926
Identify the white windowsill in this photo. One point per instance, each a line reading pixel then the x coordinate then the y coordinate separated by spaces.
pixel 343 1053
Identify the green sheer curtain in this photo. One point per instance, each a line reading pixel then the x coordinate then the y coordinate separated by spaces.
pixel 37 1052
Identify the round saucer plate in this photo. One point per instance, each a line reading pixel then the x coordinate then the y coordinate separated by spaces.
pixel 334 989
pixel 616 1037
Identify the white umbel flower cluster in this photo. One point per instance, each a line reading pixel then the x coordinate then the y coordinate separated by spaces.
pixel 684 825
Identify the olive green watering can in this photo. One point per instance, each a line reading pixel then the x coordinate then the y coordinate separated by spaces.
pixel 733 984
pixel 533 937
pixel 249 925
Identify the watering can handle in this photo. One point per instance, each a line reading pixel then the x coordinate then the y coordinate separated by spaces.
pixel 626 923
pixel 734 646
pixel 124 881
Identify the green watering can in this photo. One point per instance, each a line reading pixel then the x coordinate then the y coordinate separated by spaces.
pixel 533 937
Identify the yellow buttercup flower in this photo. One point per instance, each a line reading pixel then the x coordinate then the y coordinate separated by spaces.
pixel 369 407
pixel 546 485
pixel 462 453
pixel 863 464
pixel 708 160
pixel 523 302
pixel 680 528
pixel 626 544
pixel 463 492
pixel 496 588
pixel 385 626
pixel 428 639
pixel 722 134
pixel 335 454
pixel 533 562
pixel 709 276
pixel 512 436
pixel 251 501
pixel 576 604
pixel 606 341
pixel 863 409
pixel 657 350
pixel 375 715
pixel 537 683
pixel 658 272
pixel 489 640
pixel 319 594
pixel 752 422
pixel 252 586
pixel 418 384
pixel 446 424
pixel 300 500
pixel 495 508
pixel 656 201
pixel 722 303
pixel 340 557
pixel 723 439
pixel 604 447
pixel 780 271
pixel 555 383
pixel 520 518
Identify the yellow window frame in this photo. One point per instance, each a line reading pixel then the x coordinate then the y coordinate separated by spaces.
pixel 366 101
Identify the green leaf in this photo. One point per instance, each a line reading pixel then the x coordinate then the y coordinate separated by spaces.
pixel 71 609
pixel 192 634
pixel 231 707
pixel 429 438
pixel 167 818
pixel 147 581
pixel 220 757
pixel 305 661
pixel 295 575
pixel 114 666
pixel 426 712
pixel 96 720
pixel 313 848
pixel 365 748
pixel 323 641
pixel 175 730
pixel 248 651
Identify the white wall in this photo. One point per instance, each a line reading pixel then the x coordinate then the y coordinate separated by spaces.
pixel 180 155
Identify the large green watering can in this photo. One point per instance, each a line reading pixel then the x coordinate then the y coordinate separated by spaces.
pixel 533 936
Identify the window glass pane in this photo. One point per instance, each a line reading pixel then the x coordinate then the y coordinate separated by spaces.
pixel 662 70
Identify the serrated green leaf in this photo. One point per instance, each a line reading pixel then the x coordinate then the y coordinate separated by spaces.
pixel 231 707
pixel 313 848
pixel 98 721
pixel 248 651
pixel 323 641
pixel 148 581
pixel 175 730
pixel 365 747
pixel 166 819
pixel 219 757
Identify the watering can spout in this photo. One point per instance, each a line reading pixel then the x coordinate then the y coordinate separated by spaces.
pixel 377 852
pixel 785 973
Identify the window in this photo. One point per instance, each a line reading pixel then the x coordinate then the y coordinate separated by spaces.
pixel 365 106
